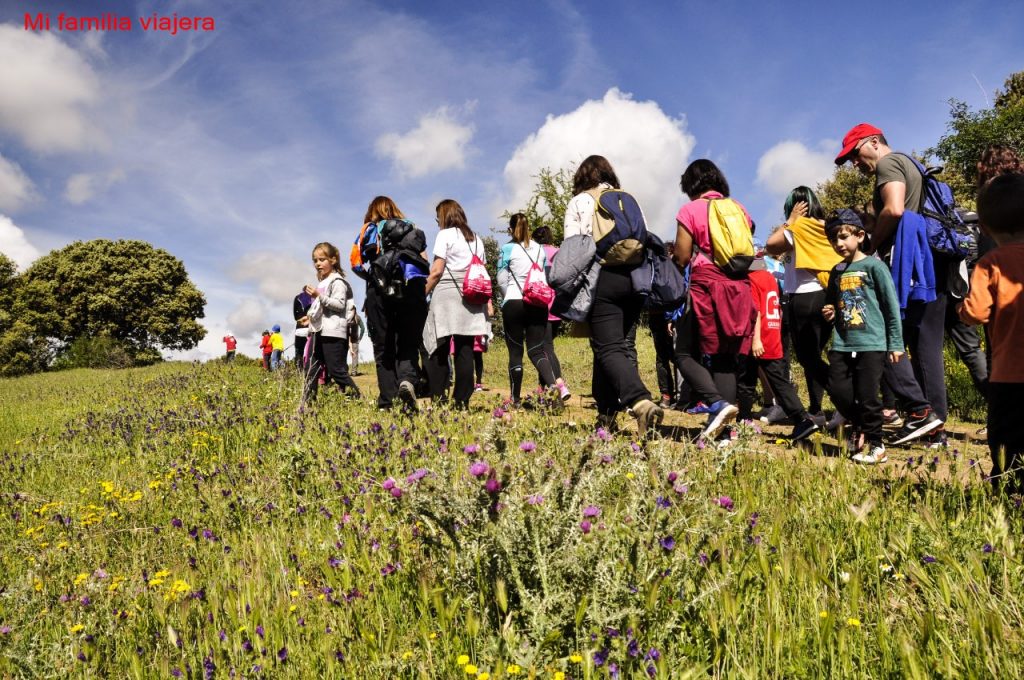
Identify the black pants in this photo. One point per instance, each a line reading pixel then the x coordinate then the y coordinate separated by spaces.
pixel 396 330
pixel 782 388
pixel 549 347
pixel 809 333
pixel 853 384
pixel 664 352
pixel 331 353
pixel 713 383
pixel 438 370
pixel 1006 434
pixel 924 333
pixel 616 380
pixel 478 366
pixel 525 327
pixel 967 342
pixel 300 349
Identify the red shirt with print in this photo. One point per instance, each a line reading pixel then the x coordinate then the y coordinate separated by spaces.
pixel 765 289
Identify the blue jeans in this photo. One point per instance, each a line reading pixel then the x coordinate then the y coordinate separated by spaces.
pixel 275 359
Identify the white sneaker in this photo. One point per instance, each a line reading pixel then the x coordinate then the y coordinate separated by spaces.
pixel 875 455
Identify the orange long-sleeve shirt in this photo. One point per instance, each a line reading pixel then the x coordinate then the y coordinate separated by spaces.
pixel 997 300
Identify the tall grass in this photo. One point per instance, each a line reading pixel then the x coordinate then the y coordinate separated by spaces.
pixel 188 520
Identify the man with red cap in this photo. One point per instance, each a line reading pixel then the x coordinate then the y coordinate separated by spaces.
pixel 921 383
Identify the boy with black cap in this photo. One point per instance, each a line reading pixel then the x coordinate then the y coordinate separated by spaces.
pixel 861 302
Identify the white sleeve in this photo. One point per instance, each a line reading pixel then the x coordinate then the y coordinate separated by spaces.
pixel 579 215
pixel 441 245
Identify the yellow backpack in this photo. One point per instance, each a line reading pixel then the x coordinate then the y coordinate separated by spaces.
pixel 732 243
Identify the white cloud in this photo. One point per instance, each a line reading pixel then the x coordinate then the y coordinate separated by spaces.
pixel 277 278
pixel 438 143
pixel 14 245
pixel 248 318
pixel 647 148
pixel 46 85
pixel 16 189
pixel 790 164
pixel 83 186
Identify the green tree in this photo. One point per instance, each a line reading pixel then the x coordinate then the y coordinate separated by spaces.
pixel 128 291
pixel 547 203
pixel 969 132
pixel 847 188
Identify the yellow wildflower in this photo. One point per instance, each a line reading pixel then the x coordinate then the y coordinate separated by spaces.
pixel 484 676
pixel 630 475
pixel 163 573
pixel 823 614
pixel 293 608
pixel 853 622
pixel 294 593
pixel 406 656
pixel 76 628
pixel 513 669
pixel 559 675
pixel 80 579
pixel 38 585
pixel 154 582
pixel 469 669
pixel 576 657
pixel 462 660
pixel 155 484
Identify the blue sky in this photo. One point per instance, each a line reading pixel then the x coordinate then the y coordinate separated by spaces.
pixel 238 149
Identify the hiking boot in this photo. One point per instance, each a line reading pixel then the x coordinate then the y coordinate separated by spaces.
pixel 916 425
pixel 835 422
pixel 891 418
pixel 700 408
pixel 719 414
pixel 773 415
pixel 874 455
pixel 803 430
pixel 407 393
pixel 647 414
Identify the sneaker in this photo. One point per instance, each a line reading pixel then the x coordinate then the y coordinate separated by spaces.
pixel 563 391
pixel 698 409
pixel 875 455
pixel 407 393
pixel 803 430
pixel 835 422
pixel 719 414
pixel 982 432
pixel 937 439
pixel 666 401
pixel 916 425
pixel 820 420
pixel 773 415
pixel 479 387
pixel 647 414
pixel 891 418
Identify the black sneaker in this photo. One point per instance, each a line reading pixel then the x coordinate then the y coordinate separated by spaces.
pixel 916 425
pixel 803 429
pixel 773 415
pixel 937 439
pixel 407 393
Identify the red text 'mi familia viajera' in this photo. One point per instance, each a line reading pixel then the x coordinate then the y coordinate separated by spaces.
pixel 172 24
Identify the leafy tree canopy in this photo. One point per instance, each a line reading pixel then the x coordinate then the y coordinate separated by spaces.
pixel 125 290
pixel 547 203
pixel 847 188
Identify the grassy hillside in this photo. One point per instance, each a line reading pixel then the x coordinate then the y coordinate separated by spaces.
pixel 188 521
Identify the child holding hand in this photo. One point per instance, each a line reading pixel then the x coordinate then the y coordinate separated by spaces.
pixel 861 301
pixel 997 300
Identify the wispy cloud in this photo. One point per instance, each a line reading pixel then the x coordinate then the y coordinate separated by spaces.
pixel 791 163
pixel 84 186
pixel 437 144
pixel 16 189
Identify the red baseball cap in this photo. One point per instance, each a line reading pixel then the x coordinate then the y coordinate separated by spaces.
pixel 856 133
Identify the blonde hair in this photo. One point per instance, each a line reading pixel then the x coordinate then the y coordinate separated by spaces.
pixel 331 251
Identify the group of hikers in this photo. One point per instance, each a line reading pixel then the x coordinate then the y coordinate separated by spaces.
pixel 879 285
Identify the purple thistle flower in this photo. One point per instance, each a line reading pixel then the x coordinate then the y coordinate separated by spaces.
pixel 479 468
pixel 175 672
pixel 672 477
pixel 333 562
pixel 535 499
pixel 527 446
pixel 177 524
pixel 388 484
pixel 603 434
pixel 724 502
pixel 282 654
pixel 471 449
pixel 492 486
pixel 222 635
pixel 668 543
pixel 208 535
pixel 416 476
pixel 259 631
pixel 928 559
pixel 703 559
pixel 498 413
pixel 681 488
pixel 100 573
pixel 585 526
pixel 653 654
pixel 591 511
pixel 247 646
pixel 987 548
pixel 5 630
pixel 396 492
pixel 600 657
pixel 651 670
pixel 663 502
pixel 633 649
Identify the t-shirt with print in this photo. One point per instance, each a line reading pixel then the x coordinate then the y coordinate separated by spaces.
pixel 867 314
pixel 453 248
pixel 514 264
pixel 765 290
pixel 694 218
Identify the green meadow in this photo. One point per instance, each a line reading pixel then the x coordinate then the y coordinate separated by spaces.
pixel 190 521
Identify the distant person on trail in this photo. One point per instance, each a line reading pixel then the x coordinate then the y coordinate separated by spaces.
pixel 328 322
pixel 395 313
pixel 451 318
pixel 277 348
pixel 995 300
pixel 861 302
pixel 919 384
pixel 525 324
pixel 300 309
pixel 266 349
pixel 616 307
pixel 809 257
pixel 542 235
pixel 231 344
pixel 720 317
pixel 356 330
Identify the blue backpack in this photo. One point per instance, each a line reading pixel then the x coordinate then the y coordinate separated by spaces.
pixel 948 234
pixel 619 229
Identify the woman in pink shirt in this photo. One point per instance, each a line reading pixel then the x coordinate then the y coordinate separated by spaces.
pixel 720 314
